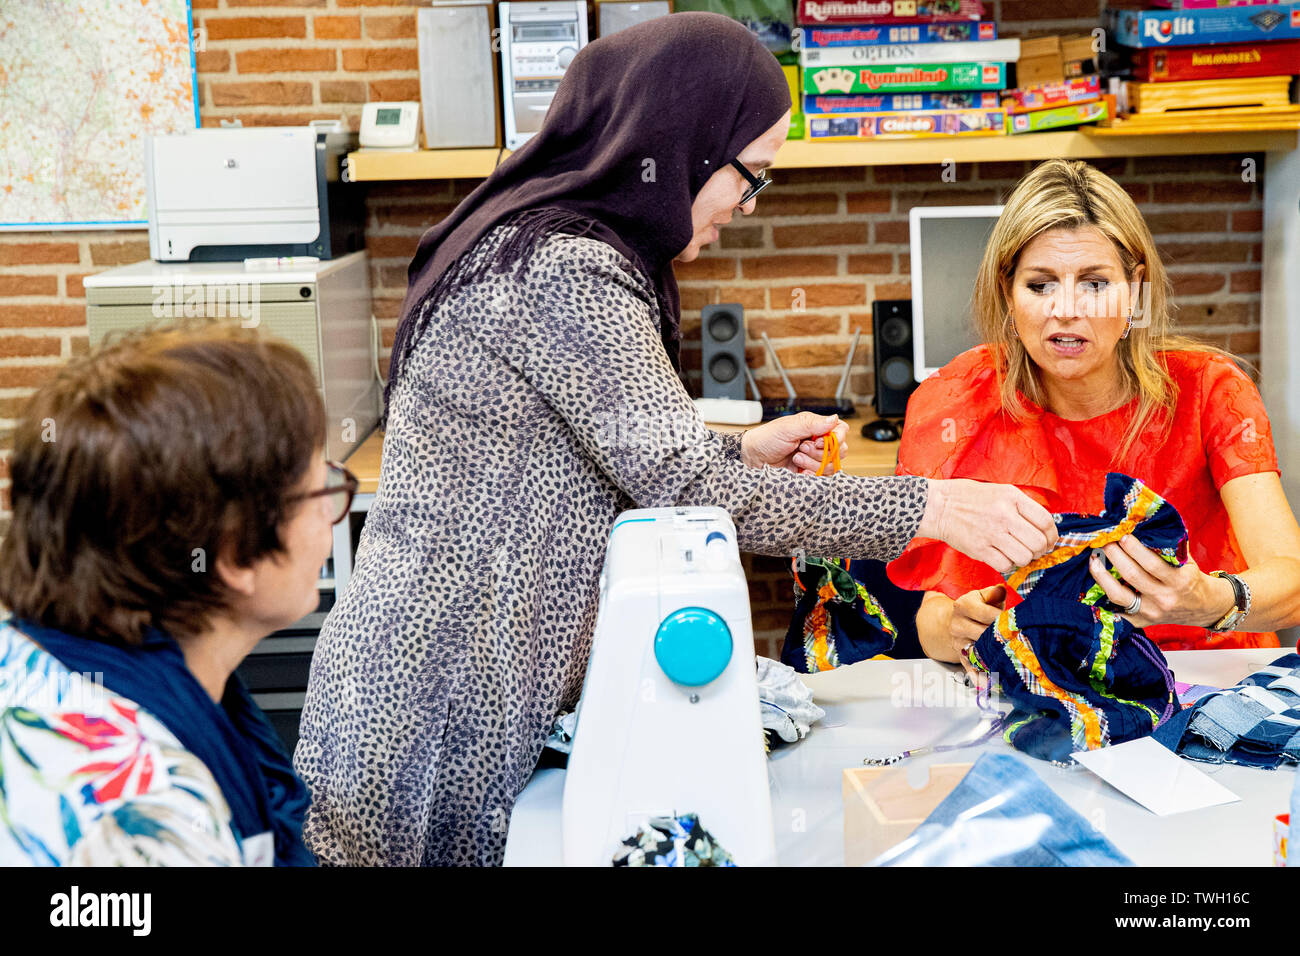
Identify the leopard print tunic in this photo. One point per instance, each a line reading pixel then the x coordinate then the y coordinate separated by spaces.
pixel 533 409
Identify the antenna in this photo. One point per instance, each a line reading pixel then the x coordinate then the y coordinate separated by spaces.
pixel 789 389
pixel 758 396
pixel 848 363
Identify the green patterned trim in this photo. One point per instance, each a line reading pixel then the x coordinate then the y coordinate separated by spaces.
pixel 870 605
pixel 1098 674
pixel 1012 728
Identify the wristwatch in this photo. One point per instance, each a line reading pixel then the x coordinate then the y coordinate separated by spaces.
pixel 1241 603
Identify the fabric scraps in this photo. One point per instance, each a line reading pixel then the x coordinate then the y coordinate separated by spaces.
pixel 1189 694
pixel 672 841
pixel 1082 677
pixel 1255 723
pixel 836 621
pixel 561 736
pixel 786 702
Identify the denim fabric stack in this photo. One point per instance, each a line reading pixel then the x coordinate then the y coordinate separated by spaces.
pixel 1256 723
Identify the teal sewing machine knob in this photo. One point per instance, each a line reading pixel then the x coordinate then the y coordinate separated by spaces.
pixel 693 646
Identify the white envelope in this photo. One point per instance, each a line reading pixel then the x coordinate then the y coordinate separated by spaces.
pixel 1155 777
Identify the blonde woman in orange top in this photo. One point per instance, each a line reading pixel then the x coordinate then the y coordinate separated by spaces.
pixel 1079 375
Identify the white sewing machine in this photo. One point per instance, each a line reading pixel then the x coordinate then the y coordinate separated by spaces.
pixel 669 718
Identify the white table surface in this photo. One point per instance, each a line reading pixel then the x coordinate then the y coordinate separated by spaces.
pixel 869 713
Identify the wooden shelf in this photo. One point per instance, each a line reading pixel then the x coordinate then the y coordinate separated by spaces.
pixel 374 165
pixel 369 165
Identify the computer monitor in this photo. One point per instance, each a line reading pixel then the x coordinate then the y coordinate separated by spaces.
pixel 947 248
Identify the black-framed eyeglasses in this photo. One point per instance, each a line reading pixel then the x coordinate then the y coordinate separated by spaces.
pixel 342 483
pixel 756 183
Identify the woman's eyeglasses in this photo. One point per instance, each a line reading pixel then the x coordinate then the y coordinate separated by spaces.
pixel 756 183
pixel 340 482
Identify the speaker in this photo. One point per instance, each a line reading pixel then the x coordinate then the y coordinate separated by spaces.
pixel 615 15
pixel 891 336
pixel 458 77
pixel 722 343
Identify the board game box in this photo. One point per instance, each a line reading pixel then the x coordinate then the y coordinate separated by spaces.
pixel 1057 118
pixel 888 12
pixel 913 77
pixel 1081 89
pixel 1157 28
pixel 893 102
pixel 909 124
pixel 860 34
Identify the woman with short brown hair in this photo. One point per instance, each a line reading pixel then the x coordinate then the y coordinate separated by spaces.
pixel 171 507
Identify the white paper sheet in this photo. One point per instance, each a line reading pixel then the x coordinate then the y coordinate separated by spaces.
pixel 1155 777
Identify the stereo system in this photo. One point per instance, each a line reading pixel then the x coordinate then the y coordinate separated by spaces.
pixel 466 102
pixel 458 78
pixel 538 42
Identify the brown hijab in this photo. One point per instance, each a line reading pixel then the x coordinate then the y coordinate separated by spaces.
pixel 640 121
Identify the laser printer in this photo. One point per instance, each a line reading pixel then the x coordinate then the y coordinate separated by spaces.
pixel 220 195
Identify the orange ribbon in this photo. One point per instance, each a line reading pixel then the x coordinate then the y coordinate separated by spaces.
pixel 830 453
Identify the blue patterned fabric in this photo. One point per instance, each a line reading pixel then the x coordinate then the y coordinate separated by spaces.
pixel 672 841
pixel 836 620
pixel 1255 723
pixel 1082 677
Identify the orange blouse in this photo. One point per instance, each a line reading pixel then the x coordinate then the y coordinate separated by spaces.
pixel 956 428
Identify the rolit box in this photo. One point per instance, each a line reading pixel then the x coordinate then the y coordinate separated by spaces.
pixel 908 124
pixel 1156 28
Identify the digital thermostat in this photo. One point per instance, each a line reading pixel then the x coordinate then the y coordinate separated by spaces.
pixel 390 126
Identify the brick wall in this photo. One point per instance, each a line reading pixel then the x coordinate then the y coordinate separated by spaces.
pixel 840 235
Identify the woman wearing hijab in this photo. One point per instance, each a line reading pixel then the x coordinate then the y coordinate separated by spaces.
pixel 532 397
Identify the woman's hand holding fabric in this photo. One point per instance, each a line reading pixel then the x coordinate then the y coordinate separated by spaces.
pixel 972 613
pixel 793 442
pixel 997 524
pixel 1170 594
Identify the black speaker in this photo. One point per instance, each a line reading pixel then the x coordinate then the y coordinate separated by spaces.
pixel 722 346
pixel 891 338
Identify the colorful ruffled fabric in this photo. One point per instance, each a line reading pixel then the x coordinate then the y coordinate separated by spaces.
pixel 1219 431
pixel 672 841
pixel 1082 677
pixel 88 778
pixel 836 621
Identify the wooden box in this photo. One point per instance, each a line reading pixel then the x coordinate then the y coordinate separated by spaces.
pixel 881 809
pixel 1054 59
pixel 1270 91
